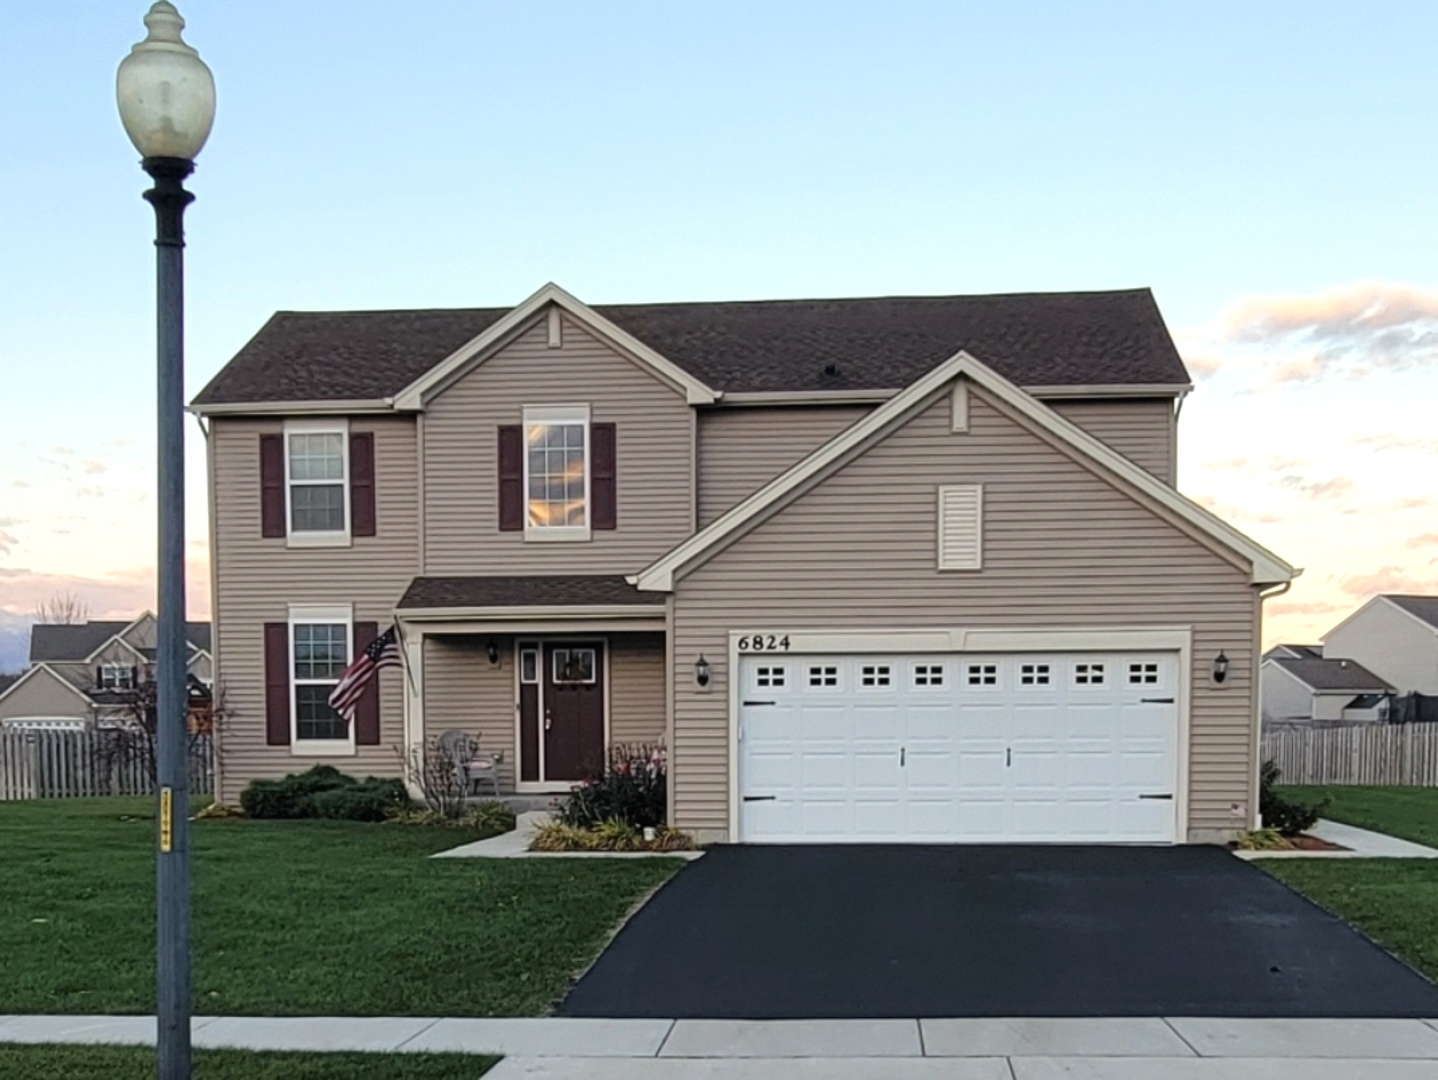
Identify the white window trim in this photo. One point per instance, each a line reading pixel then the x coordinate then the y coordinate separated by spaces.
pixel 339 538
pixel 978 563
pixel 306 614
pixel 108 666
pixel 560 414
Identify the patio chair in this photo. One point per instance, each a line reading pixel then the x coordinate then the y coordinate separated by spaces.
pixel 471 768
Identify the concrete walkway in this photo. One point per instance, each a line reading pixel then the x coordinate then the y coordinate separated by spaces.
pixel 1360 844
pixel 966 1049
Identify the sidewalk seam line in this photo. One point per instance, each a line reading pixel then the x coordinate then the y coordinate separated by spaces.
pixel 405 1042
pixel 1009 1061
pixel 923 1049
pixel 1181 1039
pixel 665 1041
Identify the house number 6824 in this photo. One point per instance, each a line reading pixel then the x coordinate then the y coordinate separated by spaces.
pixel 764 643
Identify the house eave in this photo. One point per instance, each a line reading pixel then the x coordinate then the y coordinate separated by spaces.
pixel 353 407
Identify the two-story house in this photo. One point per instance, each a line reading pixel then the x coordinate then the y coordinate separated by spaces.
pixel 871 569
pixel 82 673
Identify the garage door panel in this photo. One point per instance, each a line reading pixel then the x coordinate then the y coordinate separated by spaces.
pixel 1035 747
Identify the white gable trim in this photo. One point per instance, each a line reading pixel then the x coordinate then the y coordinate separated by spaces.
pixel 35 670
pixel 117 639
pixel 1266 568
pixel 475 351
pixel 1396 607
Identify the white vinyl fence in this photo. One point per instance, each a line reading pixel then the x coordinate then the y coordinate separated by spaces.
pixel 41 763
pixel 1404 754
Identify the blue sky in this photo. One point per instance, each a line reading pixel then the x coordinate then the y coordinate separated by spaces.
pixel 1267 169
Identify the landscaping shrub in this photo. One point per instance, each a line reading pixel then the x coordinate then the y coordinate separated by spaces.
pixel 488 818
pixel 323 791
pixel 1285 817
pixel 632 789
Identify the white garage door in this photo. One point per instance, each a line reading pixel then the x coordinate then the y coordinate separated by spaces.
pixel 1076 747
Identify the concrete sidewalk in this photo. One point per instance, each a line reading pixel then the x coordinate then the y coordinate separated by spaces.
pixel 959 1049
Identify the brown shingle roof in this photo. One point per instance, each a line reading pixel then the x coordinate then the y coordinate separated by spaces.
pixel 443 592
pixel 1032 339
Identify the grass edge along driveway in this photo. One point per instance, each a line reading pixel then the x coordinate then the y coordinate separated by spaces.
pixel 1393 901
pixel 299 918
pixel 48 1062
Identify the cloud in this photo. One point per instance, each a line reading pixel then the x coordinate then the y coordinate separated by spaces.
pixel 1315 607
pixel 1351 332
pixel 1418 502
pixel 1228 511
pixel 1392 440
pixel 120 595
pixel 1429 539
pixel 1332 488
pixel 93 467
pixel 8 542
pixel 1388 579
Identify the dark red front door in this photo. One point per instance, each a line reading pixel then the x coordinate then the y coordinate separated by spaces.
pixel 573 706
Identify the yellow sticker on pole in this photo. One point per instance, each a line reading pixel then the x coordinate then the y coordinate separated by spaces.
pixel 166 821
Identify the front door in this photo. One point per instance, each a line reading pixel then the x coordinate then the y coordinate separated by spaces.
pixel 572 708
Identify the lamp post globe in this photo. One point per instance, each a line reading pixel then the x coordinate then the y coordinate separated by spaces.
pixel 166 96
pixel 165 91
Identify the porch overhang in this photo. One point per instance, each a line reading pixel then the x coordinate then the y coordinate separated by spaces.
pixel 529 605
pixel 532 620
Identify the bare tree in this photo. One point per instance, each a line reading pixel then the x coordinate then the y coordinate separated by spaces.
pixel 63 607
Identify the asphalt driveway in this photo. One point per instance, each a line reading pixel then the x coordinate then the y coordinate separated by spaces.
pixel 905 931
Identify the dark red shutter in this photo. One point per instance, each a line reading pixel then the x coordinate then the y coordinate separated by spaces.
pixel 367 708
pixel 272 485
pixel 362 483
pixel 277 684
pixel 603 476
pixel 511 478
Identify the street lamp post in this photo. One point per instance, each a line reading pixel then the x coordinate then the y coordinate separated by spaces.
pixel 166 96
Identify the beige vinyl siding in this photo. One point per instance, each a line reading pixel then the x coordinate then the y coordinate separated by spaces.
pixel 463 690
pixel 1141 429
pixel 1397 647
pixel 115 653
pixel 636 688
pixel 1063 548
pixel 46 695
pixel 742 449
pixel 258 578
pixel 654 427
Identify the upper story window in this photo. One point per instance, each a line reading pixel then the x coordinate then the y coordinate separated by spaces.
pixel 116 676
pixel 317 482
pixel 557 473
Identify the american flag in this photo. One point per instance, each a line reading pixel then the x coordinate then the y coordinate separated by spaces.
pixel 382 652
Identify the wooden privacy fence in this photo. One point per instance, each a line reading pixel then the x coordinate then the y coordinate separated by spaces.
pixel 39 763
pixel 1405 754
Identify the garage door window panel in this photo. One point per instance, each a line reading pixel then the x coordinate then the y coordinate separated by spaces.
pixel 930 675
pixel 982 675
pixel 1089 674
pixel 824 677
pixel 875 675
pixel 1034 675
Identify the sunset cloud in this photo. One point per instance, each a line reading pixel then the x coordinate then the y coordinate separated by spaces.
pixel 1289 341
pixel 1388 579
pixel 1332 488
pixel 1316 607
pixel 123 594
pixel 1429 539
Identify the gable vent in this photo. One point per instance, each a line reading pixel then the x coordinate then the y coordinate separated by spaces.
pixel 961 512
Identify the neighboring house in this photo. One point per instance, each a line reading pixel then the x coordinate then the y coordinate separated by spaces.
pixel 1394 636
pixel 1301 685
pixel 85 672
pixel 875 569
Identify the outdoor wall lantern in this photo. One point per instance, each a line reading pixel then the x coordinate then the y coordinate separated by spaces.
pixel 492 651
pixel 1220 667
pixel 701 671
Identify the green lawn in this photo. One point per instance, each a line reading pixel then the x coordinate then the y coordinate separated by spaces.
pixel 1393 901
pixel 135 1063
pixel 296 918
pixel 1408 812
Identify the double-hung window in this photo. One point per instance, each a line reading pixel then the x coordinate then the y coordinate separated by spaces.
pixel 116 676
pixel 317 483
pixel 320 644
pixel 557 472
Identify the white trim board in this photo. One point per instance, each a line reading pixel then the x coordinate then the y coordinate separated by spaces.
pixel 48 670
pixel 1265 567
pixel 477 350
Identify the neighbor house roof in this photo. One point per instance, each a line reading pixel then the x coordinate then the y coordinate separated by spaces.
pixel 7 681
pixel 1032 339
pixel 1421 607
pixel 1301 652
pixel 487 592
pixel 1338 675
pixel 78 641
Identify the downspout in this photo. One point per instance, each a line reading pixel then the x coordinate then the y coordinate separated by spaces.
pixel 1263 594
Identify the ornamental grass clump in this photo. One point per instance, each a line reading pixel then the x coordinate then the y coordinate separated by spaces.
pixel 611 836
